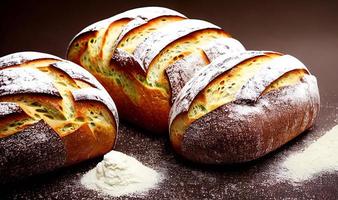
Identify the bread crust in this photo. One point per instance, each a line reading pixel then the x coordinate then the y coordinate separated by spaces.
pixel 24 57
pixel 155 43
pixel 151 110
pixel 20 81
pixel 75 72
pixel 235 133
pixel 36 149
pixel 222 46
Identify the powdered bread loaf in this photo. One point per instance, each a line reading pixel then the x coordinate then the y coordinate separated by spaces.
pixel 53 113
pixel 144 56
pixel 242 107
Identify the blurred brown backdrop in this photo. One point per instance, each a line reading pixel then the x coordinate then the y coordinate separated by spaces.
pixel 305 29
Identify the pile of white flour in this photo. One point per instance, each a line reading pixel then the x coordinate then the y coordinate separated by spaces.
pixel 321 156
pixel 119 174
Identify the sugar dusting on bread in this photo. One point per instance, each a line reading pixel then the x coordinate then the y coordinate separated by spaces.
pixel 124 59
pixel 222 46
pixel 21 80
pixel 308 88
pixel 7 108
pixel 151 47
pixel 36 149
pixel 271 71
pixel 22 57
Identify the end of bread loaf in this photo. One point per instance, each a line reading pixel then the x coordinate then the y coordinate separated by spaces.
pixel 230 114
pixel 40 90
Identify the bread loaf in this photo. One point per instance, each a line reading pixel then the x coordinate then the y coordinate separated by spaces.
pixel 144 57
pixel 242 107
pixel 53 113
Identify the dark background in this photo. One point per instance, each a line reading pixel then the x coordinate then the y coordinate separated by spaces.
pixel 307 30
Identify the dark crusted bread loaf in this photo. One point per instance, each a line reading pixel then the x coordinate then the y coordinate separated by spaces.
pixel 242 107
pixel 53 113
pixel 144 57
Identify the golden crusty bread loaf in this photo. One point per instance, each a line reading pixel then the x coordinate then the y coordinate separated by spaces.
pixel 53 113
pixel 144 56
pixel 242 107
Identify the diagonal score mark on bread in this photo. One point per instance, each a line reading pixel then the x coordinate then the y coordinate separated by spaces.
pixel 183 70
pixel 157 42
pixel 269 73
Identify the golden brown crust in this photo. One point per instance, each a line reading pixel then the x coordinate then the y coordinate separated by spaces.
pixel 79 45
pixel 152 108
pixel 86 142
pixel 61 99
pixel 10 113
pixel 236 133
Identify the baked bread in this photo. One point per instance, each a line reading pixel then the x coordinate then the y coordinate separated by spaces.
pixel 144 56
pixel 53 113
pixel 242 107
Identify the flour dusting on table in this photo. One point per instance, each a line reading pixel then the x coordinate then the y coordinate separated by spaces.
pixel 321 156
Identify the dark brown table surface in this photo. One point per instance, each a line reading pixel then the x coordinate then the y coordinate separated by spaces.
pixel 305 29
